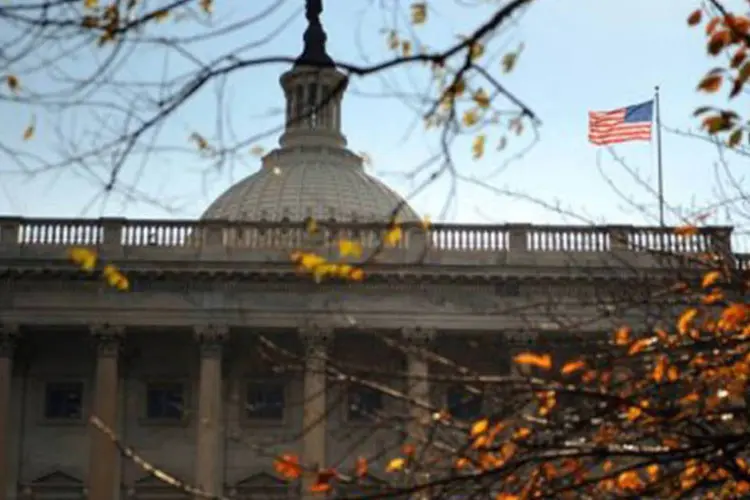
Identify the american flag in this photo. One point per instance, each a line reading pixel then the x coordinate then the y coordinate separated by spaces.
pixel 632 123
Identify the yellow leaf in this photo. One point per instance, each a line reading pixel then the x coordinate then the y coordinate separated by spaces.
pixel 629 480
pixel 543 361
pixel 28 133
pixel 357 274
pixel 522 433
pixel 479 427
pixel 13 83
pixel 350 248
pixel 470 117
pixel 91 4
pixel 686 318
pixel 653 472
pixel 710 278
pixel 572 367
pixel 393 236
pixel 83 257
pixel 477 147
pixel 481 98
pixel 311 226
pixel 418 12
pixel 476 50
pixel 395 465
pixel 633 413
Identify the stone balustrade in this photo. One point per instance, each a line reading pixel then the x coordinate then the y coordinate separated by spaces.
pixel 18 233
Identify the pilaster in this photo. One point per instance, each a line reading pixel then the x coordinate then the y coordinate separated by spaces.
pixel 104 457
pixel 209 428
pixel 316 341
pixel 419 341
pixel 8 337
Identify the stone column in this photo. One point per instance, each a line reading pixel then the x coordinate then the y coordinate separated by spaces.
pixel 418 386
pixel 316 341
pixel 209 425
pixel 104 457
pixel 8 336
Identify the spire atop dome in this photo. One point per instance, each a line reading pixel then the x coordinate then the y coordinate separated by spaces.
pixel 314 51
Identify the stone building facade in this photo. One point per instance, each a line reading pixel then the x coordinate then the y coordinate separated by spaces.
pixel 176 367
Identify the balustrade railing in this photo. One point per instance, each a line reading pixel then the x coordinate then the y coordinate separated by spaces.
pixel 288 236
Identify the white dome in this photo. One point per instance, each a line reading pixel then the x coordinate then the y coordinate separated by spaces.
pixel 318 182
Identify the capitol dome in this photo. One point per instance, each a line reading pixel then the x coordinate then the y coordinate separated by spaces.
pixel 315 186
pixel 312 173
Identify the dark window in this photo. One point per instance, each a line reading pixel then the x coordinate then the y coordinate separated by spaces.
pixel 64 400
pixel 265 401
pixel 462 404
pixel 299 104
pixel 364 402
pixel 312 105
pixel 165 401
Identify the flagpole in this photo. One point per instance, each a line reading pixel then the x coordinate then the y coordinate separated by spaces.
pixel 658 157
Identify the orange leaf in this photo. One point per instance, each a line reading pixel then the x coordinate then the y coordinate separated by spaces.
pixel 653 472
pixel 695 17
pixel 288 466
pixel 572 367
pixel 639 345
pixel 687 317
pixel 323 480
pixel 712 24
pixel 622 336
pixel 408 450
pixel 361 467
pixel 686 230
pixel 660 368
pixel 543 361
pixel 710 84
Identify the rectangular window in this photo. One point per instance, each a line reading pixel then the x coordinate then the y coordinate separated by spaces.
pixel 299 105
pixel 312 105
pixel 265 401
pixel 462 404
pixel 327 105
pixel 63 401
pixel 165 401
pixel 364 403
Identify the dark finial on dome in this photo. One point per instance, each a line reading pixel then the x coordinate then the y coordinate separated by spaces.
pixel 314 51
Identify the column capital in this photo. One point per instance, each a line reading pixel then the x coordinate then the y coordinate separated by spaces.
pixel 315 337
pixel 521 338
pixel 9 333
pixel 211 338
pixel 108 338
pixel 418 336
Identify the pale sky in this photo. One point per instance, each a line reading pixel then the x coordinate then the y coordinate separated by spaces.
pixel 579 55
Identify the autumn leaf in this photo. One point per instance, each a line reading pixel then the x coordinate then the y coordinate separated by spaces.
pixel 640 345
pixel 393 40
pixel 395 465
pixel 405 48
pixel 710 278
pixel 323 480
pixel 350 248
pixel 115 278
pixel 288 466
pixel 418 12
pixel 476 50
pixel 29 132
pixel 360 468
pixel 572 367
pixel 710 84
pixel 393 236
pixel 695 17
pixel 543 361
pixel 629 480
pixel 686 230
pixel 13 84
pixel 160 15
pixel 311 226
pixel 477 147
pixel 685 319
pixel 622 336
pixel 660 369
pixel 479 427
pixel 481 98
pixel 200 141
pixel 84 258
pixel 207 6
